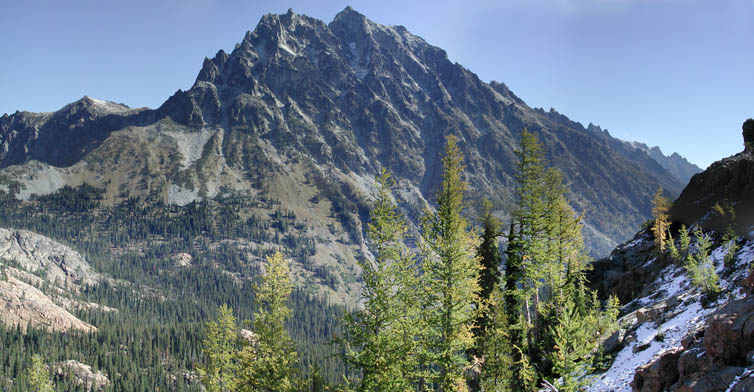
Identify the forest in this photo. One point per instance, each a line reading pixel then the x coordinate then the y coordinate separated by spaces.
pixel 442 317
pixel 455 312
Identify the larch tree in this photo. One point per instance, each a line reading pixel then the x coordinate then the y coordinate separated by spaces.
pixel 219 347
pixel 660 208
pixel 37 376
pixel 382 335
pixel 528 248
pixel 269 365
pixel 545 274
pixel 451 279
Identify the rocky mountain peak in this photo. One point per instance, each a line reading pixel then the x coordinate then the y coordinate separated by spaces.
pixel 346 99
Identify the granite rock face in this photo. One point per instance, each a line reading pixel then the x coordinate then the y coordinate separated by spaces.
pixel 22 304
pixel 38 254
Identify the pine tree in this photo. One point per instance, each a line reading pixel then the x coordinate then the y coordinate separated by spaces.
pixel 37 376
pixel 382 336
pixel 451 273
pixel 270 364
pixel 220 372
pixel 660 207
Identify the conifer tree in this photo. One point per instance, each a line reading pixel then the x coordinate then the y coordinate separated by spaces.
pixel 700 270
pixel 545 271
pixel 382 336
pixel 270 364
pixel 573 346
pixel 531 254
pixel 37 376
pixel 660 207
pixel 683 241
pixel 495 348
pixel 490 259
pixel 451 273
pixel 220 372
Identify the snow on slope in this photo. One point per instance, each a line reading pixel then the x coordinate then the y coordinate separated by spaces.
pixel 655 337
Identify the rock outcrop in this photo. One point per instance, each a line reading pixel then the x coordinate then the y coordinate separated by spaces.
pixel 83 374
pixel 713 360
pixel 22 305
pixel 728 183
pixel 55 262
pixel 748 133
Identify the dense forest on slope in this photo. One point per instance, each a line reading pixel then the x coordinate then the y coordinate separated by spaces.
pixel 152 341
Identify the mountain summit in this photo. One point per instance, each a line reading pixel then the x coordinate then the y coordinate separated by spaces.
pixel 301 108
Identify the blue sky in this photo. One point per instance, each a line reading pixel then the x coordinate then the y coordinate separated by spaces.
pixel 673 73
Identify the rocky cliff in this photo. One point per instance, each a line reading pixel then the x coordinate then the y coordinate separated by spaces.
pixel 39 282
pixel 675 335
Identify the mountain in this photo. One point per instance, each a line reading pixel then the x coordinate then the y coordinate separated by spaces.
pixel 723 195
pixel 301 109
pixel 677 165
pixel 674 335
pixel 302 101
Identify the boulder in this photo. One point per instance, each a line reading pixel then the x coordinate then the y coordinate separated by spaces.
pixel 693 361
pixel 659 375
pixel 715 381
pixel 729 334
pixel 614 342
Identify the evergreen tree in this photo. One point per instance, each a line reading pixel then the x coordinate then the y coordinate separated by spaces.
pixel 269 365
pixel 495 348
pixel 545 272
pixel 489 280
pixel 683 242
pixel 382 336
pixel 700 270
pixel 490 258
pixel 220 372
pixel 660 207
pixel 37 376
pixel 573 347
pixel 451 273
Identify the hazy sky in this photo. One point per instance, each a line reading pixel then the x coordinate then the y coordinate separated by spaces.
pixel 673 73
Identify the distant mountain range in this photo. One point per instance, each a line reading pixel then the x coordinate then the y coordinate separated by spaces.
pixel 304 112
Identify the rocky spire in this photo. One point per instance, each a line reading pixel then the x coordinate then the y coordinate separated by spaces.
pixel 748 131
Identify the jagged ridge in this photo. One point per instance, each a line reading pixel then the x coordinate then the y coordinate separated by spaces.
pixel 338 101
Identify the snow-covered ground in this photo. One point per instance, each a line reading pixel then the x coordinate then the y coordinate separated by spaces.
pixel 684 317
